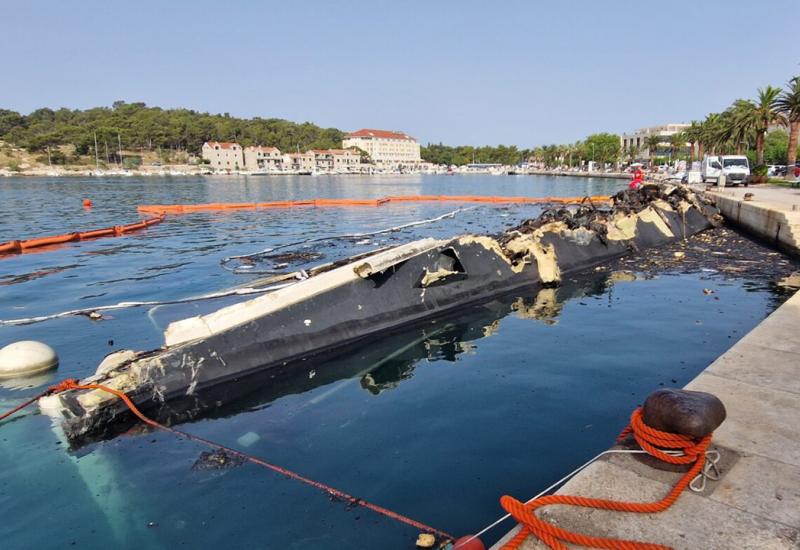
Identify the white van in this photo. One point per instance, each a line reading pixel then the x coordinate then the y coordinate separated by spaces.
pixel 735 167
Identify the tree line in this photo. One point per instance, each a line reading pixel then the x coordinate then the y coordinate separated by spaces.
pixel 743 126
pixel 459 155
pixel 747 127
pixel 135 126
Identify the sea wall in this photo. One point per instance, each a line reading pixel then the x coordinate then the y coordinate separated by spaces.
pixel 778 226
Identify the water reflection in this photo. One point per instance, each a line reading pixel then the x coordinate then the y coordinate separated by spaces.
pixel 379 364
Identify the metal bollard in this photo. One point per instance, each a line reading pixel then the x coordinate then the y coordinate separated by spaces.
pixel 721 181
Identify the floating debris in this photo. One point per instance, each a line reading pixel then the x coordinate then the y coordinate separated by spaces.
pixel 217 460
pixel 426 540
pixel 294 257
pixel 791 282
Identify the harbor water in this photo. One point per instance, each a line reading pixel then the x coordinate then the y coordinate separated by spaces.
pixel 435 421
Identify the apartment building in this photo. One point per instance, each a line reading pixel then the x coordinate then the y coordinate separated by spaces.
pixel 299 162
pixel 385 148
pixel 258 158
pixel 337 160
pixel 638 139
pixel 223 155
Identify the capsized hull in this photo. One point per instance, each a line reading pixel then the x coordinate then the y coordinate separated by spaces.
pixel 372 296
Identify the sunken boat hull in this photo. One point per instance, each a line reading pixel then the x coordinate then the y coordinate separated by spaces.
pixel 368 297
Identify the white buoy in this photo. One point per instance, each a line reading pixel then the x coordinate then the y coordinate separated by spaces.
pixel 26 358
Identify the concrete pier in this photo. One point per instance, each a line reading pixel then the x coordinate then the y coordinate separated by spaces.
pixel 773 213
pixel 756 503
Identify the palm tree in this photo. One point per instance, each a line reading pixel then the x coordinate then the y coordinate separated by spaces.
pixel 739 124
pixel 767 113
pixel 693 136
pixel 652 141
pixel 677 142
pixel 708 135
pixel 789 105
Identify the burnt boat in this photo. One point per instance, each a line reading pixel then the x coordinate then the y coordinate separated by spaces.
pixel 367 296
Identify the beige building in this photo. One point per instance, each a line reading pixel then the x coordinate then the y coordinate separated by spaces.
pixel 262 158
pixel 299 162
pixel 223 156
pixel 337 160
pixel 386 149
pixel 638 139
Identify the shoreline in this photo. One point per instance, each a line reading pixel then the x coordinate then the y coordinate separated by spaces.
pixel 186 172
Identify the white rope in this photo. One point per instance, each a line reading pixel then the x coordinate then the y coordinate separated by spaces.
pixel 553 486
pixel 125 305
pixel 451 214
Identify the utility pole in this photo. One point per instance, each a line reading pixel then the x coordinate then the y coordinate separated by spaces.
pixel 96 154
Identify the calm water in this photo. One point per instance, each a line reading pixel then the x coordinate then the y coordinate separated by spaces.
pixel 436 422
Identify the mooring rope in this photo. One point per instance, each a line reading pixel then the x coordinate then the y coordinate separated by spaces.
pixel 672 448
pixel 72 384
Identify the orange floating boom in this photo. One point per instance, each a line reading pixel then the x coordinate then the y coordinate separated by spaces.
pixel 18 247
pixel 221 206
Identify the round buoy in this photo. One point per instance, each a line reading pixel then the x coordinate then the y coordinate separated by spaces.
pixel 87 203
pixel 26 358
pixel 464 543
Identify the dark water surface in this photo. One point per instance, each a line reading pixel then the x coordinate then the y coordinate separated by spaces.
pixel 435 422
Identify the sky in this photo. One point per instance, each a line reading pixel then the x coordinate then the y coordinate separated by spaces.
pixel 522 73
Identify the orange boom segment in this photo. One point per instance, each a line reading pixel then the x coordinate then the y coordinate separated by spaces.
pixel 17 247
pixel 188 208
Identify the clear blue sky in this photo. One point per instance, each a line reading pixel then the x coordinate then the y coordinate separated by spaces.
pixel 513 72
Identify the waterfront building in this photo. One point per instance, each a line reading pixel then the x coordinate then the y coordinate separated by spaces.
pixel 337 160
pixel 223 155
pixel 262 158
pixel 299 162
pixel 638 139
pixel 386 149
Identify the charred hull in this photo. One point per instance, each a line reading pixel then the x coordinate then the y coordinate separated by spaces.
pixel 370 296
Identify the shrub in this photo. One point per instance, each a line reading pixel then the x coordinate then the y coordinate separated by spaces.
pixel 759 174
pixel 132 162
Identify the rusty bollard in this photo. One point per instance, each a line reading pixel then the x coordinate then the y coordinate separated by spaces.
pixel 692 413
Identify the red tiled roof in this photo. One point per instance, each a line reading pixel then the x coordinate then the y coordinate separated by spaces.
pixel 367 132
pixel 264 149
pixel 222 144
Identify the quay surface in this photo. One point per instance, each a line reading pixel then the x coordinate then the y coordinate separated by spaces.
pixel 773 212
pixel 756 503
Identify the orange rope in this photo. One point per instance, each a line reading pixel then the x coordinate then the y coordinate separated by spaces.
pixel 72 384
pixel 651 440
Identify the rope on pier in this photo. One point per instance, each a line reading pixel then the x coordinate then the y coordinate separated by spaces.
pixel 659 444
pixel 72 384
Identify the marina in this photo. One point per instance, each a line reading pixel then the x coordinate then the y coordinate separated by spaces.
pixel 406 421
